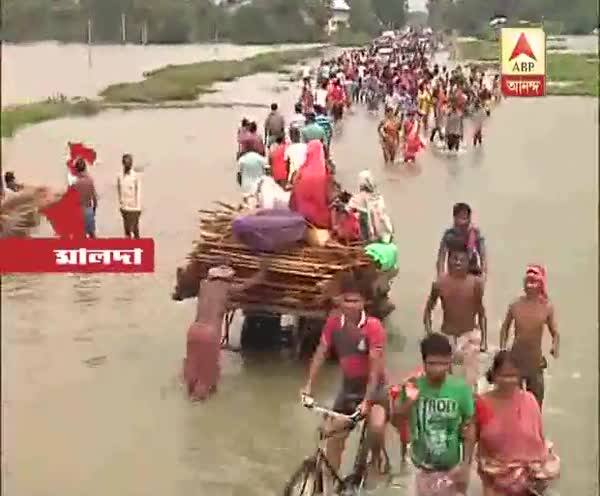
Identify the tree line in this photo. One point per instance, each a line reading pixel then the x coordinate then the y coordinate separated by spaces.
pixel 185 21
pixel 471 17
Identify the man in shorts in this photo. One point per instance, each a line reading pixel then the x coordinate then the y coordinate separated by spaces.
pixel 464 321
pixel 359 342
pixel 532 313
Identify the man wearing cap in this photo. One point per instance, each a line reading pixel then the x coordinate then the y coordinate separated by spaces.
pixel 531 313
pixel 201 368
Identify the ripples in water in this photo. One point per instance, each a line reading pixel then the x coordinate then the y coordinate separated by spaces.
pixel 22 287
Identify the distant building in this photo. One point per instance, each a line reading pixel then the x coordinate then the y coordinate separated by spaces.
pixel 339 16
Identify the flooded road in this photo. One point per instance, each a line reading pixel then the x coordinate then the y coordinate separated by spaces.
pixel 90 395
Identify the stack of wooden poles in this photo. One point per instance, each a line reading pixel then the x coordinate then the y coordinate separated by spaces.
pixel 19 214
pixel 299 279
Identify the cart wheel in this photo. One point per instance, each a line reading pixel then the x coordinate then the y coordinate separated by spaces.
pixel 261 331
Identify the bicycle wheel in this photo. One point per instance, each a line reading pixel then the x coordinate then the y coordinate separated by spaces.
pixel 305 481
pixel 354 483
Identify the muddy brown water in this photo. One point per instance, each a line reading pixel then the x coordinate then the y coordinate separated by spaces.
pixel 90 396
pixel 84 71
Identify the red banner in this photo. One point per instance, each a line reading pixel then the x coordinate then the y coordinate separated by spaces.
pixel 49 255
pixel 534 85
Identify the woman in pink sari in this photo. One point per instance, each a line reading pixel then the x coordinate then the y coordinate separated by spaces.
pixel 310 192
pixel 514 457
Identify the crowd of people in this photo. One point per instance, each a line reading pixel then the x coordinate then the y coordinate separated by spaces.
pixel 444 420
pixel 440 409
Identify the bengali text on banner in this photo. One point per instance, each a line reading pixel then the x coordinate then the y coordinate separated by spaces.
pixel 52 255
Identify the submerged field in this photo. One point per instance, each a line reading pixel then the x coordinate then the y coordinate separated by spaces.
pixel 172 83
pixel 187 82
pixel 18 116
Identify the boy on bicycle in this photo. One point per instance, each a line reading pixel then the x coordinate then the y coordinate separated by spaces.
pixel 440 408
pixel 359 343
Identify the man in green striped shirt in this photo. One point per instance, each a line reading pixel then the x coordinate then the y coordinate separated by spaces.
pixel 324 121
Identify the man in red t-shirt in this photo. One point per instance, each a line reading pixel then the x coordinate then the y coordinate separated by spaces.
pixel 359 342
pixel 279 167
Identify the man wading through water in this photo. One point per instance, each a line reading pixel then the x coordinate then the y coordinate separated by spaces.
pixel 274 126
pixel 464 232
pixel 201 368
pixel 130 198
pixel 359 343
pixel 464 320
pixel 440 408
pixel 531 313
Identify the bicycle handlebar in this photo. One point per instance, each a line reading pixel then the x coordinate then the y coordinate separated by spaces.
pixel 309 402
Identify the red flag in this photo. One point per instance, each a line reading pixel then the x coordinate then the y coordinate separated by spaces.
pixel 66 216
pixel 79 150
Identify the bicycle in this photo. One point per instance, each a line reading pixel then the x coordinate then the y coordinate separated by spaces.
pixel 307 480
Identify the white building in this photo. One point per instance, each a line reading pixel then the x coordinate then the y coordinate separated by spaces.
pixel 340 16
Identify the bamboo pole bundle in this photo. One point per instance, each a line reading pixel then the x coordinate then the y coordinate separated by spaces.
pixel 299 279
pixel 19 213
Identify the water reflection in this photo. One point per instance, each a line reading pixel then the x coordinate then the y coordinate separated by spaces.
pixel 86 289
pixel 22 287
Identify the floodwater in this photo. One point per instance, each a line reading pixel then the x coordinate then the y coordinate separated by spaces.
pixel 90 394
pixel 36 71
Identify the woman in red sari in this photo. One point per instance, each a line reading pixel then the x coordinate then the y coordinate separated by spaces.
pixel 514 457
pixel 412 139
pixel 310 192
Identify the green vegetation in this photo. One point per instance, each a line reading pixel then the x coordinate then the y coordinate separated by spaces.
pixel 186 82
pixel 183 21
pixel 18 116
pixel 580 69
pixel 348 38
pixel 416 18
pixel 575 73
pixel 471 17
pixel 478 50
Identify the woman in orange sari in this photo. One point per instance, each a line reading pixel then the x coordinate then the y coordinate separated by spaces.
pixel 389 132
pixel 514 457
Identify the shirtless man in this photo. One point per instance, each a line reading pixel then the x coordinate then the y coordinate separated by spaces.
pixel 531 313
pixel 201 368
pixel 465 322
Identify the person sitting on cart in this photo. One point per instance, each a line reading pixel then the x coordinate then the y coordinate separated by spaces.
pixel 359 342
